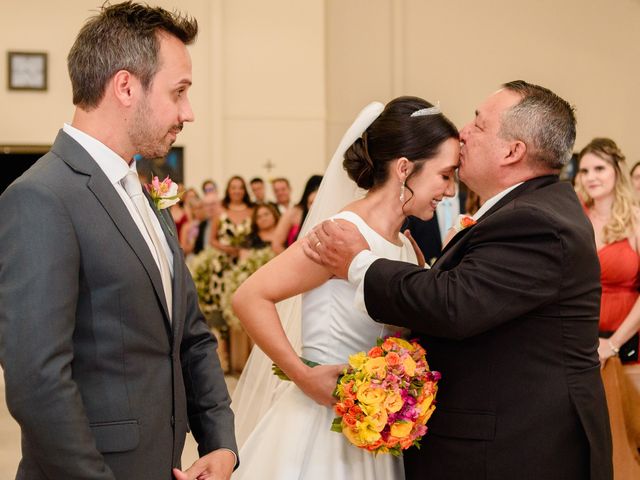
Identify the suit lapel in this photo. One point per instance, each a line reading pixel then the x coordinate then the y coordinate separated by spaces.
pixel 78 159
pixel 527 186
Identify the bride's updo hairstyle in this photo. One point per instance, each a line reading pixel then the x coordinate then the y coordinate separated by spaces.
pixel 395 134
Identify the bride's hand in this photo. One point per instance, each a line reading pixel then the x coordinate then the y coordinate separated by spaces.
pixel 320 382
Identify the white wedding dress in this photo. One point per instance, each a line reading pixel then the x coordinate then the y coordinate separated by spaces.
pixel 293 440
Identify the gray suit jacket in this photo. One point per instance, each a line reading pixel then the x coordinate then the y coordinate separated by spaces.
pixel 101 383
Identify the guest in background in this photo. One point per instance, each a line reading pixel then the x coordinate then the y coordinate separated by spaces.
pixel 291 221
pixel 635 176
pixel 211 210
pixel 610 203
pixel 258 190
pixel 263 226
pixel 233 223
pixel 282 192
pixel 473 203
pixel 209 186
pixel 181 211
pixel 188 233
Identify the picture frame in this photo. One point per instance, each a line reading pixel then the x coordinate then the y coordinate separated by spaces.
pixel 27 71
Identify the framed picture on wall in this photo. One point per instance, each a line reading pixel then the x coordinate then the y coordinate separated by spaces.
pixel 27 70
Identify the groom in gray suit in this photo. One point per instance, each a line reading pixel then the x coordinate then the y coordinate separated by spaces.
pixel 106 356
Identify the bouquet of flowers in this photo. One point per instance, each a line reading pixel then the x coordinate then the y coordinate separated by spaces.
pixel 385 397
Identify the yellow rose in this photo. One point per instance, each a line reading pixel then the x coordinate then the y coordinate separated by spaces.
pixel 367 431
pixel 376 415
pixel 402 343
pixel 357 359
pixel 409 366
pixel 425 416
pixel 352 436
pixel 393 402
pixel 370 395
pixel 376 367
pixel 401 429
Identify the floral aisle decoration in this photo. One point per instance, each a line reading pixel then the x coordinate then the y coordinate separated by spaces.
pixel 249 262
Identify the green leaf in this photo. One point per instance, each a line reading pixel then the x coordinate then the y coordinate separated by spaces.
pixel 336 425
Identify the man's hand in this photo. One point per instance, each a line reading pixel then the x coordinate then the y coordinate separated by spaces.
pixel 334 244
pixel 217 465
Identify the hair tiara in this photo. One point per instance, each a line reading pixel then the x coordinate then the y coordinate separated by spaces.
pixel 435 110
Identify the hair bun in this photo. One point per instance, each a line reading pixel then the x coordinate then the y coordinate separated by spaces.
pixel 358 164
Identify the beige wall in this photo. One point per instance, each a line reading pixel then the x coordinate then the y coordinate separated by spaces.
pixel 280 80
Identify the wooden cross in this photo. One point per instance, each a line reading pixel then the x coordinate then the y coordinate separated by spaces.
pixel 269 165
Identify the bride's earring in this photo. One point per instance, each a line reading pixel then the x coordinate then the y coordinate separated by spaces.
pixel 402 191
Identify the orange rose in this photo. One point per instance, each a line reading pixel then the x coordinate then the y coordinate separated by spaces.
pixel 375 352
pixel 406 442
pixel 392 359
pixel 349 419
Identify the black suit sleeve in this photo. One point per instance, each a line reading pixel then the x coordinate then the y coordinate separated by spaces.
pixel 505 266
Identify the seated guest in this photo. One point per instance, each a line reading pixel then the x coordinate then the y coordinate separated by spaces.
pixel 263 226
pixel 291 221
pixel 233 223
pixel 603 185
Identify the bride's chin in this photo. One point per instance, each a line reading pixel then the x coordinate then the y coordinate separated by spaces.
pixel 428 215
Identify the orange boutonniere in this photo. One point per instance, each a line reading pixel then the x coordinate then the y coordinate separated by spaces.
pixel 464 221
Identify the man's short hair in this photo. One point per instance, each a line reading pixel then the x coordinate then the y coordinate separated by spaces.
pixel 121 37
pixel 543 121
pixel 256 180
pixel 281 179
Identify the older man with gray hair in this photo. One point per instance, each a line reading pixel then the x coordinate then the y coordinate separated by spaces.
pixel 508 313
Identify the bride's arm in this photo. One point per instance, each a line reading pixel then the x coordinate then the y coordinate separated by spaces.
pixel 288 274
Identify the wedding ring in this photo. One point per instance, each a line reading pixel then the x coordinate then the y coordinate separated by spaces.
pixel 318 243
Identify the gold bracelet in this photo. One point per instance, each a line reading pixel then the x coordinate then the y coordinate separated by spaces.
pixel 615 350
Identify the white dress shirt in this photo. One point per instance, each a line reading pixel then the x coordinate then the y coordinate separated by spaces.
pixel 363 260
pixel 116 168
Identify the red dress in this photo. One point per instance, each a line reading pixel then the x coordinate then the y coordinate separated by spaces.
pixel 619 275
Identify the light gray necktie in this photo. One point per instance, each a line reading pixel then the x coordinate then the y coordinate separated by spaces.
pixel 132 186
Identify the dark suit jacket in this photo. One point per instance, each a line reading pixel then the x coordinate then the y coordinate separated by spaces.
pixel 102 384
pixel 509 316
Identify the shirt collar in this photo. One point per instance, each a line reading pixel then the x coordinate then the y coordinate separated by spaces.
pixel 486 206
pixel 112 164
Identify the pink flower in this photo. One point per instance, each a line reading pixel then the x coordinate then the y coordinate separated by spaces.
pixel 164 194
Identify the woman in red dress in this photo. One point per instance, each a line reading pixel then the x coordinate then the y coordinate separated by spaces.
pixel 604 187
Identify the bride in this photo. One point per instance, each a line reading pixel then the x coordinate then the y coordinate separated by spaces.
pixel 404 155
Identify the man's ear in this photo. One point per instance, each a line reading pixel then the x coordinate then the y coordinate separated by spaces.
pixel 516 153
pixel 124 85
